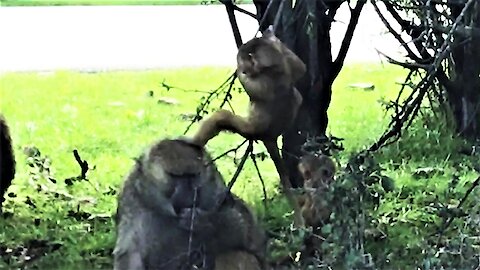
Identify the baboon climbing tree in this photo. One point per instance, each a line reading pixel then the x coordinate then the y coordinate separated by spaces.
pixel 305 27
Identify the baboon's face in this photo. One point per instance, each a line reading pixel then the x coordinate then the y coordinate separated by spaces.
pixel 190 192
pixel 183 175
pixel 316 171
pixel 257 56
pixel 320 178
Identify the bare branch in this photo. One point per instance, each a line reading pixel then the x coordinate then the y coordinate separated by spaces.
pixel 408 65
pixel 241 10
pixel 463 31
pixel 201 109
pixel 397 36
pixel 236 174
pixel 229 151
pixel 265 197
pixel 230 6
pixel 352 25
pixel 449 221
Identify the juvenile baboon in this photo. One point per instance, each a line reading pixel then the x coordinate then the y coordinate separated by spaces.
pixel 167 216
pixel 267 69
pixel 7 159
pixel 318 172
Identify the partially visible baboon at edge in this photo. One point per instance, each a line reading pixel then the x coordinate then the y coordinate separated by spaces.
pixel 7 159
pixel 167 216
pixel 318 172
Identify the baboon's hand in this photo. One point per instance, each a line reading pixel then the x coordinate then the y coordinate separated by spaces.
pixel 196 220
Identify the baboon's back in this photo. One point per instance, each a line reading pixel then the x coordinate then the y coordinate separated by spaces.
pixel 7 160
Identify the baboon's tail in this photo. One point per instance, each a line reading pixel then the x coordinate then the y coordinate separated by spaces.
pixel 7 159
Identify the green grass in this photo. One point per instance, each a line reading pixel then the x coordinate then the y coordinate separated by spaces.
pixel 109 118
pixel 105 2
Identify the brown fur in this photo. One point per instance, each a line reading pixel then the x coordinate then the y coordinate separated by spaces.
pixel 7 159
pixel 254 257
pixel 237 260
pixel 267 69
pixel 167 216
pixel 318 173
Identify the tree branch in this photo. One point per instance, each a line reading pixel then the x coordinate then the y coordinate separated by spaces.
pixel 397 36
pixel 241 10
pixel 352 25
pixel 230 6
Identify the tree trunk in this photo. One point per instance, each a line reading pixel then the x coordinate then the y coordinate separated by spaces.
pixel 463 95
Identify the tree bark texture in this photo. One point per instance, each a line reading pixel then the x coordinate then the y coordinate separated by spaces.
pixel 463 93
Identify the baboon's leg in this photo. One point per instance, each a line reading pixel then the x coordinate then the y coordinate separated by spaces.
pixel 272 149
pixel 223 120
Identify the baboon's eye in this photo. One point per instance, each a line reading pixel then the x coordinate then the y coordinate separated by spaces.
pixel 250 55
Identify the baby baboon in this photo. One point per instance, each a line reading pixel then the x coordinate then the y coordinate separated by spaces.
pixel 7 159
pixel 167 216
pixel 318 172
pixel 267 69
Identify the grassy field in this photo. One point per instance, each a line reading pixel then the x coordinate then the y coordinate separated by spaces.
pixel 110 117
pixel 106 2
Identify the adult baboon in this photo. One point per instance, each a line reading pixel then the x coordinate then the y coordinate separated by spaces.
pixel 167 216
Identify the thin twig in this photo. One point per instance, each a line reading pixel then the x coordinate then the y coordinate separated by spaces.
pixel 241 10
pixel 228 95
pixel 83 165
pixel 229 151
pixel 265 198
pixel 192 219
pixel 201 108
pixel 169 87
pixel 235 176
pixel 241 164
pixel 451 218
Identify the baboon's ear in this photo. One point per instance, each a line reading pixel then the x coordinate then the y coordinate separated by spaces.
pixel 269 33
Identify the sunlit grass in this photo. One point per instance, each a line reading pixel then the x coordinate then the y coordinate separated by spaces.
pixel 110 117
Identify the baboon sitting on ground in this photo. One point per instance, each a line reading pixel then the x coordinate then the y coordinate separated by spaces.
pixel 167 216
